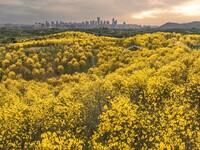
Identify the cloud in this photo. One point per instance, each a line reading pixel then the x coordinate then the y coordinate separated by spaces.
pixel 179 12
pixel 148 14
pixel 191 8
pixel 133 11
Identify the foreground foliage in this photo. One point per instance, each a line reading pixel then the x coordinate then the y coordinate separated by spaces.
pixel 78 91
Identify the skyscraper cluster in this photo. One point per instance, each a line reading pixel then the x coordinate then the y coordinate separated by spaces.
pixel 98 23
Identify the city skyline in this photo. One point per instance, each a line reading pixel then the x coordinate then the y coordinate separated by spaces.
pixel 88 24
pixel 145 12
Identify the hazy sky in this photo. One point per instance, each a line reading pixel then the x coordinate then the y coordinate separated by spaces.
pixel 153 12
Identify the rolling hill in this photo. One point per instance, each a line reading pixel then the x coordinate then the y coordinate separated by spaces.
pixel 190 25
pixel 78 91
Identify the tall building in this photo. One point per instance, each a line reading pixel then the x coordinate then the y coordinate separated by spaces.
pixel 52 23
pixel 91 22
pixel 98 20
pixel 57 23
pixel 47 23
pixel 114 22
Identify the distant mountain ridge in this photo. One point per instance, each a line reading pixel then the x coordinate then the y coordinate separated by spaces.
pixel 170 25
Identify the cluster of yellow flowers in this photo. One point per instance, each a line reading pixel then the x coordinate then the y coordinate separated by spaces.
pixel 78 91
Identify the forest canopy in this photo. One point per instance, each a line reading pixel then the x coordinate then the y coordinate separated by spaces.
pixel 74 90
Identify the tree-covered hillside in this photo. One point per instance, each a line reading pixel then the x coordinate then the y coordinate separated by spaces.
pixel 74 90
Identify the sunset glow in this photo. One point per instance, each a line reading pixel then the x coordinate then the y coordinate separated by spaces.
pixel 188 9
pixel 145 14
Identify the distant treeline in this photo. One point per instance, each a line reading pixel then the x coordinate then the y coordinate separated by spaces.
pixel 13 35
